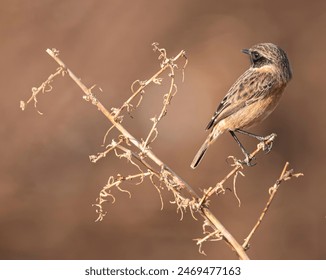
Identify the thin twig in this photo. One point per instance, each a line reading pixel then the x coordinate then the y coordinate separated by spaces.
pixel 43 88
pixel 106 191
pixel 285 175
pixel 153 79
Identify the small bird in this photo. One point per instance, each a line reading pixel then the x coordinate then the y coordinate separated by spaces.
pixel 251 98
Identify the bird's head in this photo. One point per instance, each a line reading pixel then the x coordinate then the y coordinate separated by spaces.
pixel 269 54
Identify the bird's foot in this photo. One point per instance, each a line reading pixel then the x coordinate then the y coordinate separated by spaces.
pixel 248 161
pixel 266 143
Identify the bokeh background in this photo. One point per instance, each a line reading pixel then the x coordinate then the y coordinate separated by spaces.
pixel 48 185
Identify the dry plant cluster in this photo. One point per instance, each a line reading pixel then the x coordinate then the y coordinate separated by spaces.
pixel 139 153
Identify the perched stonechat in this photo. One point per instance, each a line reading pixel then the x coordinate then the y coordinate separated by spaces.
pixel 252 97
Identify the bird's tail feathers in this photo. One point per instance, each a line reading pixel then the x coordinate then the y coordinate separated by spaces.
pixel 200 154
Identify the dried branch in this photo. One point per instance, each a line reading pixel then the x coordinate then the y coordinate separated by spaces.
pixel 109 148
pixel 175 182
pixel 115 183
pixel 140 155
pixel 285 175
pixel 212 236
pixel 166 63
pixel 43 88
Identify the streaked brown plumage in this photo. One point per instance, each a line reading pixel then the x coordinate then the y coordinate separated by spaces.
pixel 252 97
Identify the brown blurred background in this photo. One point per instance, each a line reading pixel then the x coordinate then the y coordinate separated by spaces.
pixel 47 182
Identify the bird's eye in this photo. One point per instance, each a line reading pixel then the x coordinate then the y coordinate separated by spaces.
pixel 255 56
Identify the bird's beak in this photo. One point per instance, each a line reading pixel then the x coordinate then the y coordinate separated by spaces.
pixel 246 51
